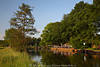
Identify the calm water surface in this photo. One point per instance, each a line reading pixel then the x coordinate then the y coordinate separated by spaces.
pixel 46 57
pixel 49 59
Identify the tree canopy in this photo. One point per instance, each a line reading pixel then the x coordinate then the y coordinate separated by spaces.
pixel 79 26
pixel 52 34
pixel 23 20
pixel 21 26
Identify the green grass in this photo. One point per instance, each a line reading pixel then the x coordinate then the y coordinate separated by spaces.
pixel 2 47
pixel 90 49
pixel 11 58
pixel 93 49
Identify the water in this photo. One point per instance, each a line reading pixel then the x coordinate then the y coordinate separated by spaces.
pixel 57 59
pixel 46 58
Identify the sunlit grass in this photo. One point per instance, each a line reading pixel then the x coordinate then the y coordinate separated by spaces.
pixel 90 49
pixel 93 49
pixel 11 58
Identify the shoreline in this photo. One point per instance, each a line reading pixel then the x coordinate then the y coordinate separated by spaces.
pixel 72 50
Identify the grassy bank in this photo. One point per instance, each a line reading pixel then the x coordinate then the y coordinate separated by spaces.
pixel 11 58
pixel 93 49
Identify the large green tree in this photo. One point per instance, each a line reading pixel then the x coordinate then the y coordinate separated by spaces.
pixel 23 20
pixel 21 26
pixel 81 25
pixel 52 34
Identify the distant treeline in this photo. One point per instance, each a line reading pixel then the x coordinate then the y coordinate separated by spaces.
pixel 3 43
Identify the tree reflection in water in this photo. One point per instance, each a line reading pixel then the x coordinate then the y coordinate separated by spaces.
pixel 79 60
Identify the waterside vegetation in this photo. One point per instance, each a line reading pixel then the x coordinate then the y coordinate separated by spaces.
pixel 80 26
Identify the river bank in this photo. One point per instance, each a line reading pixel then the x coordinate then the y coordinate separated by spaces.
pixel 73 51
pixel 88 51
pixel 11 58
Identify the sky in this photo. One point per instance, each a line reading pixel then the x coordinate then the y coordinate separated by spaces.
pixel 44 12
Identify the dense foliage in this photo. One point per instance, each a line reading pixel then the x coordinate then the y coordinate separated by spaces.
pixel 52 34
pixel 3 43
pixel 80 26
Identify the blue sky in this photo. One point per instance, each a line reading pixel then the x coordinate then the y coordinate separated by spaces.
pixel 44 12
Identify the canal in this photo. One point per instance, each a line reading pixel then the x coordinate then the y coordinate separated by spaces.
pixel 56 59
pixel 47 58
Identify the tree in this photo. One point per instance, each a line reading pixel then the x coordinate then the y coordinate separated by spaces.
pixel 23 20
pixel 21 26
pixel 16 39
pixel 3 43
pixel 52 34
pixel 80 24
pixel 96 3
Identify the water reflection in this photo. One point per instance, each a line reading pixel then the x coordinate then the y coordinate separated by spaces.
pixel 46 57
pixel 36 58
